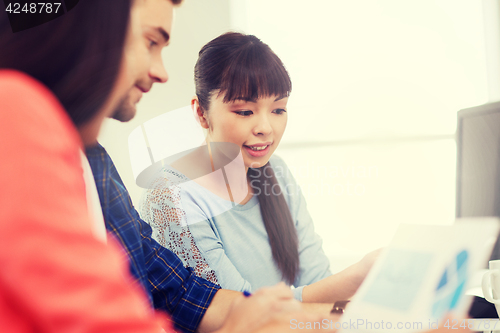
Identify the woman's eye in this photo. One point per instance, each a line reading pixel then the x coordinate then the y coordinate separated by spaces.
pixel 279 111
pixel 152 43
pixel 243 113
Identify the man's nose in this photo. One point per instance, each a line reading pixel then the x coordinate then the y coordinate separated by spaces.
pixel 158 72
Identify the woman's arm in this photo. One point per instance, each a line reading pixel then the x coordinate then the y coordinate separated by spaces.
pixel 340 286
pixel 319 285
pixel 314 264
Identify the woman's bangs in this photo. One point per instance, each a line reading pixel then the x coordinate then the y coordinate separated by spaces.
pixel 252 75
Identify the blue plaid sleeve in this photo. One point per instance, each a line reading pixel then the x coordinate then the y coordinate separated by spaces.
pixel 173 287
pixel 170 286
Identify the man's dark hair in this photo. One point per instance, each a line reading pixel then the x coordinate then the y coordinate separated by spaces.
pixel 77 56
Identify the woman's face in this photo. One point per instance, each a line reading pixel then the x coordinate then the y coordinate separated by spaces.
pixel 255 126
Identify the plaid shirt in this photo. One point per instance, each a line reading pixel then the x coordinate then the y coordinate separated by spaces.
pixel 169 285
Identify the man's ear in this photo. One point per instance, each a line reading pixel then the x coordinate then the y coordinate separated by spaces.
pixel 198 112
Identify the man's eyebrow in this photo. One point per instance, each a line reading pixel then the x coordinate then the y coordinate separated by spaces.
pixel 163 33
pixel 280 98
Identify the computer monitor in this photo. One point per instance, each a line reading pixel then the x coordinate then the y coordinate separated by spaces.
pixel 478 163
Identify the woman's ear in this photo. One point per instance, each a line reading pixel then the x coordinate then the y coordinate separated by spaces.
pixel 199 114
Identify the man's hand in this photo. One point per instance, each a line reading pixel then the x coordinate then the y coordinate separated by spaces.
pixel 298 321
pixel 248 314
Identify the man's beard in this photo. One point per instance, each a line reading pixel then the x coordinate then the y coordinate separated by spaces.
pixel 125 111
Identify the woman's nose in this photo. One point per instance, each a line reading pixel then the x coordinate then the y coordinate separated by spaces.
pixel 263 126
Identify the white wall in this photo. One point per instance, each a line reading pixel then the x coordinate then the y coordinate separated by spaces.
pixel 196 23
pixel 491 14
pixel 372 114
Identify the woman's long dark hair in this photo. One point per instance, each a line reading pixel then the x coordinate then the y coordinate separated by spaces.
pixel 77 55
pixel 243 67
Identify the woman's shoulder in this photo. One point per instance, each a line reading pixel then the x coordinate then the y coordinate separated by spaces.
pixel 276 159
pixel 277 163
pixel 13 80
pixel 289 187
pixel 28 103
pixel 15 86
pixel 281 170
pixel 163 185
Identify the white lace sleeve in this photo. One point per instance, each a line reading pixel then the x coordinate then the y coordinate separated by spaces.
pixel 161 207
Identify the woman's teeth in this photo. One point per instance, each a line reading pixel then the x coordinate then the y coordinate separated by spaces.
pixel 258 148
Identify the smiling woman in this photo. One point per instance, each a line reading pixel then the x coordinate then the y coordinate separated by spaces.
pixel 256 234
pixel 255 125
pixel 241 97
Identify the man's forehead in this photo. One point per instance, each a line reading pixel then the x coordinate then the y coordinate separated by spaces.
pixel 157 14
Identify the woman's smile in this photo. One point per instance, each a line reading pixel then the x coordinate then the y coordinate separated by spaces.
pixel 258 150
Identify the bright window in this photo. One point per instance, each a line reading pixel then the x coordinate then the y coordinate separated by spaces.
pixel 376 84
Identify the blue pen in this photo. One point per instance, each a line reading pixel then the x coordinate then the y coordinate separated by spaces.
pixel 247 293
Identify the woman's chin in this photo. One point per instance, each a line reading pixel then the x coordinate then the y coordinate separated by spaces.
pixel 256 164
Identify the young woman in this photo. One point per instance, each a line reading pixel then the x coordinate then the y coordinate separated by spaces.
pixel 243 222
pixel 58 81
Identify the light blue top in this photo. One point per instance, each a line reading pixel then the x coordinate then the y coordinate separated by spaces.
pixel 231 239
